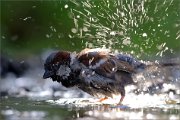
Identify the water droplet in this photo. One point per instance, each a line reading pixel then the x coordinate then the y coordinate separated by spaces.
pixel 112 33
pixel 85 29
pixel 47 35
pixel 74 30
pixel 3 37
pixel 127 41
pixel 52 28
pixel 144 34
pixel 66 6
pixel 34 6
pixel 27 18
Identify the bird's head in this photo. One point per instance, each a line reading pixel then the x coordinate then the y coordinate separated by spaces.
pixel 57 66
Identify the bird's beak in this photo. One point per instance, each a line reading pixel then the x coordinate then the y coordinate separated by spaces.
pixel 47 74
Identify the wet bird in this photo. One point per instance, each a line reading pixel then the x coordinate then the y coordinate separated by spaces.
pixel 95 71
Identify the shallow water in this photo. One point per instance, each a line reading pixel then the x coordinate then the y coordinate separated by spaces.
pixel 24 108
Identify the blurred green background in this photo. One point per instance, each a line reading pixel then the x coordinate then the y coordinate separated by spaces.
pixel 140 27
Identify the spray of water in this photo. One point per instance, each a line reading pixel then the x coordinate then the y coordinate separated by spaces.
pixel 128 25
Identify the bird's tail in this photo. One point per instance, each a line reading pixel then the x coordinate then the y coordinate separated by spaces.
pixel 152 65
pixel 140 66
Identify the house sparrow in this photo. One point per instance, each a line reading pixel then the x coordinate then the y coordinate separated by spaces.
pixel 95 71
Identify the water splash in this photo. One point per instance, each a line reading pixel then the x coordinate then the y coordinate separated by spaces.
pixel 131 25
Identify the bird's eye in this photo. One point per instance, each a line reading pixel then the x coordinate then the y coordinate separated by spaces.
pixel 55 66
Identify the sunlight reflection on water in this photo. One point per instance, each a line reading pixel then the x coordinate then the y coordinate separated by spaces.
pixel 134 107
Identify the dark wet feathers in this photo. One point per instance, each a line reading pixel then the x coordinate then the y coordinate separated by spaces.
pixel 105 63
pixel 106 73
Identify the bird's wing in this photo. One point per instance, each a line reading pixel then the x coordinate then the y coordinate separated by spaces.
pixel 104 63
pixel 101 70
pixel 96 84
